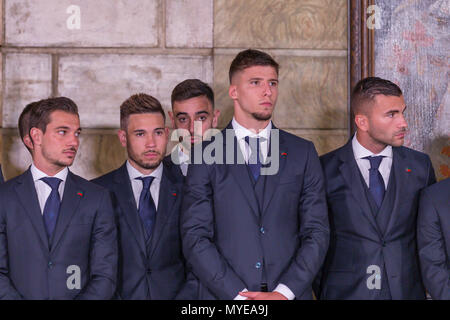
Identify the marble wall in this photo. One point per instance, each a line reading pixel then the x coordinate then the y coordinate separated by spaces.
pixel 100 52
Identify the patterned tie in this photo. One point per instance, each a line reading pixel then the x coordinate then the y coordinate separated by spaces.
pixel 51 208
pixel 376 182
pixel 254 161
pixel 147 208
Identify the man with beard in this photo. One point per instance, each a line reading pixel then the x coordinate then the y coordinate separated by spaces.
pixel 373 185
pixel 192 114
pixel 147 198
pixel 58 238
pixel 248 234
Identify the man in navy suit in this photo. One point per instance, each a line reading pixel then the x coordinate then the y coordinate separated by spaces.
pixel 193 115
pixel 57 233
pixel 147 197
pixel 433 239
pixel 252 230
pixel 372 186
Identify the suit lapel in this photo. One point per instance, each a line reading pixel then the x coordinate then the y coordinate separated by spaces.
pixel 26 192
pixel 240 173
pixel 124 194
pixel 400 165
pixel 272 180
pixel 69 205
pixel 350 172
pixel 168 194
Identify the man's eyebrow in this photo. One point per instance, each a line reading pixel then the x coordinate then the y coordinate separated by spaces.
pixel 202 112
pixel 181 114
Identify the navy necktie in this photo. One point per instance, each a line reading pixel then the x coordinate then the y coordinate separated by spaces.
pixel 376 182
pixel 51 208
pixel 147 208
pixel 254 161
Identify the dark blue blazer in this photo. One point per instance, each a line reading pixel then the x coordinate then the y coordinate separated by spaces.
pixel 360 239
pixel 156 270
pixel 31 267
pixel 433 238
pixel 229 237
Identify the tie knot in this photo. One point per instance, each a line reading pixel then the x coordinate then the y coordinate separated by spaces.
pixel 52 182
pixel 374 161
pixel 253 142
pixel 146 182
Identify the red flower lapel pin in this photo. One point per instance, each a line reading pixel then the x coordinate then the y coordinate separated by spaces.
pixel 80 193
pixel 284 154
pixel 408 169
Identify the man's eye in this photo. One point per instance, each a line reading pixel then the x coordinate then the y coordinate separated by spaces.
pixel 77 134
pixel 273 83
pixel 182 120
pixel 254 82
pixel 159 133
pixel 202 118
pixel 139 134
pixel 62 132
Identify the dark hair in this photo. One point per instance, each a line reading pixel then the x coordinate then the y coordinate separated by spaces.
pixel 137 104
pixel 366 90
pixel 24 119
pixel 192 88
pixel 249 58
pixel 40 113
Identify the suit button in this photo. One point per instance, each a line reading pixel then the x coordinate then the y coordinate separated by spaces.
pixel 50 264
pixel 262 230
pixel 258 265
pixel 149 271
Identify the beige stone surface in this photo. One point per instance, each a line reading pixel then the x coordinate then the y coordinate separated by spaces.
pixel 312 92
pixel 102 23
pixel 27 78
pixel 100 83
pixel 324 140
pixel 98 153
pixel 320 24
pixel 189 23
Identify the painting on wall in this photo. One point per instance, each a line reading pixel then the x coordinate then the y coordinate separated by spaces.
pixel 411 49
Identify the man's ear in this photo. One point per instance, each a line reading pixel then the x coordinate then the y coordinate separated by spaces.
pixel 172 119
pixel 122 137
pixel 35 136
pixel 232 92
pixel 215 118
pixel 27 141
pixel 362 122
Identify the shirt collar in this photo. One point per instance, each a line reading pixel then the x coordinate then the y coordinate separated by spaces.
pixel 242 132
pixel 38 174
pixel 182 157
pixel 360 152
pixel 134 173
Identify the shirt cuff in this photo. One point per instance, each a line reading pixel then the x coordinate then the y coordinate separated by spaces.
pixel 239 297
pixel 285 291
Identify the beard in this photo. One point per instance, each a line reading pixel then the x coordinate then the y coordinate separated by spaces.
pixel 262 116
pixel 148 165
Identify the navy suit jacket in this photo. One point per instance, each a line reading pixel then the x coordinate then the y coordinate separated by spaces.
pixel 156 271
pixel 359 240
pixel 228 240
pixel 84 236
pixel 433 237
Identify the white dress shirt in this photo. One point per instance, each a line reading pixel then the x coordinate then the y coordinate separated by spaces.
pixel 137 184
pixel 242 132
pixel 43 190
pixel 364 164
pixel 183 159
